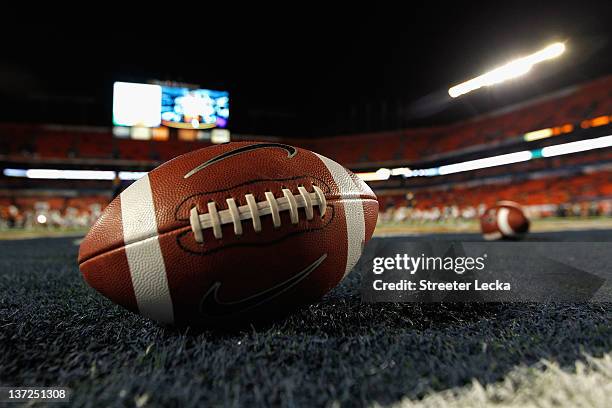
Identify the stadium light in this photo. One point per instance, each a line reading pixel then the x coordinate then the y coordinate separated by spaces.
pixel 548 132
pixel 598 121
pixel 579 146
pixel 493 161
pixel 511 70
pixel 72 174
pixel 401 171
pixel 368 176
pixel 486 162
pixel 15 172
pixel 131 175
pixel 378 175
pixel 538 134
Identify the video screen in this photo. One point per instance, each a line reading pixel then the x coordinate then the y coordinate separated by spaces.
pixel 150 105
pixel 194 108
pixel 136 104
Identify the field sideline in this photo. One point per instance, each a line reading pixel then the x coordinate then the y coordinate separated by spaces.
pixel 386 229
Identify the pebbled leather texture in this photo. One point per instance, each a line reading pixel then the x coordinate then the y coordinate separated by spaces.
pixel 238 267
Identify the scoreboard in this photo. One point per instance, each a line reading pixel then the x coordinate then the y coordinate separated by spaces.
pixel 148 111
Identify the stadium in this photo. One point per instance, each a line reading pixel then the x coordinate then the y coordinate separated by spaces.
pixel 515 107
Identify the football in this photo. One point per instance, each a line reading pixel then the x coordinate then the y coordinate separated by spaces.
pixel 230 233
pixel 505 220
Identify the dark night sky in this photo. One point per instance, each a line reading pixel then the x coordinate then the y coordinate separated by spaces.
pixel 306 72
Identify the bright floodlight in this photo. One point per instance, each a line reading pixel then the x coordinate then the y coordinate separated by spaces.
pixel 378 175
pixel 73 174
pixel 579 146
pixel 511 70
pixel 486 162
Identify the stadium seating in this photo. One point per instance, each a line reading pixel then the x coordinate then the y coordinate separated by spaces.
pixel 133 149
pixel 95 145
pixel 553 190
pixel 572 106
pixel 56 144
pixel 533 182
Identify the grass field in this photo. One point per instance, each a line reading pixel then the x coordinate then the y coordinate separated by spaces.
pixel 386 229
pixel 56 331
pixel 538 225
pixel 14 234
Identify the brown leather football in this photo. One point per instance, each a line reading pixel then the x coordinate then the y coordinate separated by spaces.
pixel 230 232
pixel 505 220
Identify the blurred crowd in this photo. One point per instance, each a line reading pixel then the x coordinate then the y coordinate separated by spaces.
pixel 405 213
pixel 43 215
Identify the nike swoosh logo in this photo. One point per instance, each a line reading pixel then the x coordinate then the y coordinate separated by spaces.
pixel 212 306
pixel 291 151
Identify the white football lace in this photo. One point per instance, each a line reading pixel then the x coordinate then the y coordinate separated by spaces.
pixel 254 210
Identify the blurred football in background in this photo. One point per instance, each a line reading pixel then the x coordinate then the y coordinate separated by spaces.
pixel 505 220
